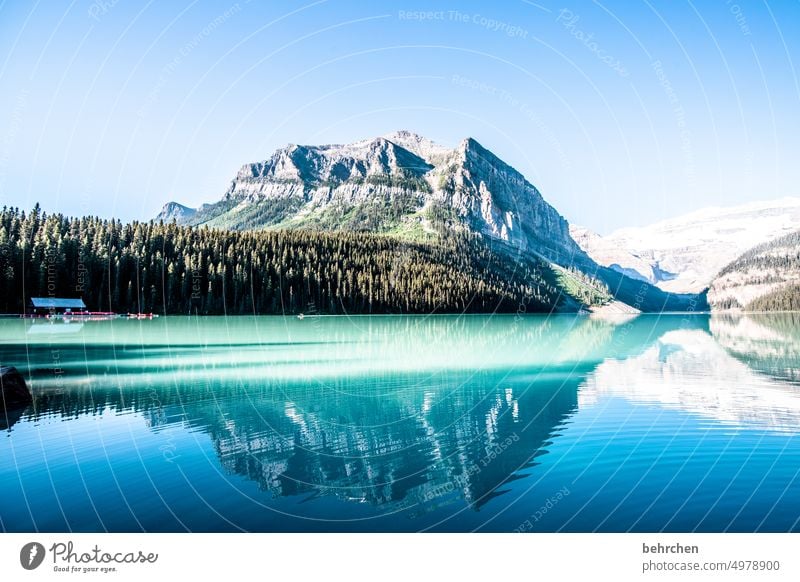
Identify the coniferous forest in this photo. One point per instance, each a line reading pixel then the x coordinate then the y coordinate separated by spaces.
pixel 775 263
pixel 786 298
pixel 170 269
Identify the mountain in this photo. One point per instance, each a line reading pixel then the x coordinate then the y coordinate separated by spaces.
pixel 684 254
pixel 177 212
pixel 765 278
pixel 609 254
pixel 408 187
pixel 401 184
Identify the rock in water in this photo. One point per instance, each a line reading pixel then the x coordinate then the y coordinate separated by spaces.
pixel 14 391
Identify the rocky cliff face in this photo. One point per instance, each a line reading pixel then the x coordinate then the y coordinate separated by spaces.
pixel 495 199
pixel 330 165
pixel 402 183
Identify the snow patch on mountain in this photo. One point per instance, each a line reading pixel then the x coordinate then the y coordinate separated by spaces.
pixel 609 254
pixel 684 254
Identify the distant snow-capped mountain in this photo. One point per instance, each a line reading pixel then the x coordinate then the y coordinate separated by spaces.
pixel 684 254
pixel 608 253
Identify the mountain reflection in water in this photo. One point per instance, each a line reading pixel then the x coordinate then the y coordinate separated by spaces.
pixel 415 418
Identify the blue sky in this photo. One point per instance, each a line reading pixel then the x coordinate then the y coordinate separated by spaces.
pixel 621 113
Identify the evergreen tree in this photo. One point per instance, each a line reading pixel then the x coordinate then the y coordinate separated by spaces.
pixel 170 269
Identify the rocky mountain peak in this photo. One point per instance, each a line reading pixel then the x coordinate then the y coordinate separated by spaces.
pixel 335 163
pixel 400 182
pixel 423 147
pixel 174 211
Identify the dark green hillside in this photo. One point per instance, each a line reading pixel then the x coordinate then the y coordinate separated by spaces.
pixel 149 267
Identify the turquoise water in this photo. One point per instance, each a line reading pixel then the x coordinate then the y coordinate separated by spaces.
pixel 487 423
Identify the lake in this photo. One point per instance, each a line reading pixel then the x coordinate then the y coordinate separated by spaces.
pixel 388 423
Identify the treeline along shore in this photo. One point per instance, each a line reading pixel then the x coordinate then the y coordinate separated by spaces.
pixel 171 269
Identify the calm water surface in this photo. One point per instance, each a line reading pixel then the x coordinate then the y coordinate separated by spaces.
pixel 565 423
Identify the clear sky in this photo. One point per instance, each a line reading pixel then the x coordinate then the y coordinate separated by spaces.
pixel 621 113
